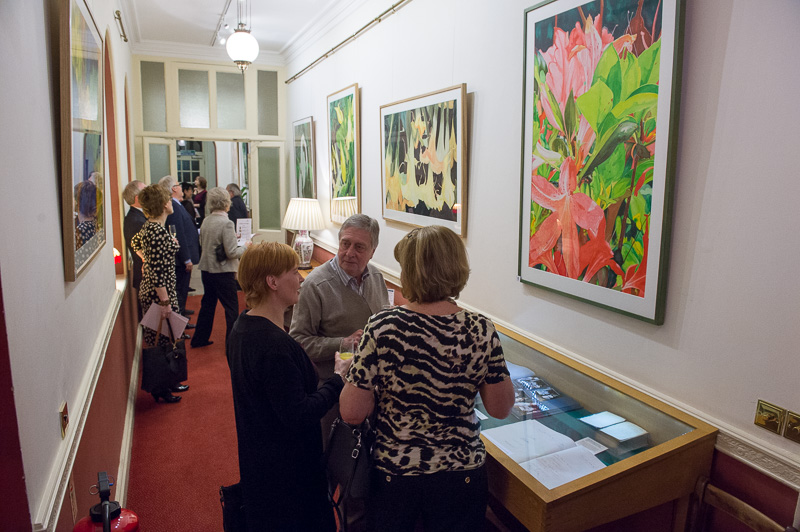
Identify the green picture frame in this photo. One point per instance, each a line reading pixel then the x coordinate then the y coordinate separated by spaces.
pixel 305 181
pixel 344 152
pixel 601 92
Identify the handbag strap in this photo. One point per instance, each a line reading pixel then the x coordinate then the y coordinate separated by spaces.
pixel 171 334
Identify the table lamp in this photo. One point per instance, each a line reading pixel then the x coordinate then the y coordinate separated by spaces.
pixel 303 215
pixel 343 208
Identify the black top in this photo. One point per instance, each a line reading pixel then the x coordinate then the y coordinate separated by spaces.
pixel 278 410
pixel 238 210
pixel 134 221
pixel 186 233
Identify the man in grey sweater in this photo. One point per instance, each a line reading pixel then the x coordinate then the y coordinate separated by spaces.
pixel 337 298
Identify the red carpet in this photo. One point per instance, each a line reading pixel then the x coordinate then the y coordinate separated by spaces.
pixel 183 452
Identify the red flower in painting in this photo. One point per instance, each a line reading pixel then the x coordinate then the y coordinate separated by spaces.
pixel 570 211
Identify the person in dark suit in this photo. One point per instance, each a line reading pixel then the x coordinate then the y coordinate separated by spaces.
pixel 133 223
pixel 188 202
pixel 238 208
pixel 186 233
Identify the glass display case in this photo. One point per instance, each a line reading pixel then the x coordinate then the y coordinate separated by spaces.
pixel 582 449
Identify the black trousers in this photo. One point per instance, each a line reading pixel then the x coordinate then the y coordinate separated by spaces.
pixel 182 278
pixel 217 287
pixel 447 501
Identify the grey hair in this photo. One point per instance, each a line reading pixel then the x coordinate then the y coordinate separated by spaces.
pixel 168 182
pixel 233 188
pixel 132 190
pixel 218 199
pixel 365 223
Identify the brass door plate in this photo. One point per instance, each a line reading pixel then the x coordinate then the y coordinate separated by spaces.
pixel 63 413
pixel 792 429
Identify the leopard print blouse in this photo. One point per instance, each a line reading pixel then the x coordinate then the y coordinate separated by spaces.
pixel 426 372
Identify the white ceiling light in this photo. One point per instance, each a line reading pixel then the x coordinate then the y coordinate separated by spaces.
pixel 242 47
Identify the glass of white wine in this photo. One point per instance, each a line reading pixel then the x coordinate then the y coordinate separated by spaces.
pixel 347 348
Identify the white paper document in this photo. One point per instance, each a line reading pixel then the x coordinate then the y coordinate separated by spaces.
pixel 153 316
pixel 602 419
pixel 244 228
pixel 624 431
pixel 528 439
pixel 556 469
pixel 595 446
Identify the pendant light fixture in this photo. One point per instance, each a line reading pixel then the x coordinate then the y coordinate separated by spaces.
pixel 242 47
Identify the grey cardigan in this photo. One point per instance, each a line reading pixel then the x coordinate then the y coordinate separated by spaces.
pixel 328 311
pixel 218 229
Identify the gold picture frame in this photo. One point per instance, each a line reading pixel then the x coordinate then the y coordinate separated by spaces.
pixel 769 416
pixel 791 430
pixel 82 137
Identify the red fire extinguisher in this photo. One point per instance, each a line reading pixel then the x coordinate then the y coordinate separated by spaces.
pixel 108 515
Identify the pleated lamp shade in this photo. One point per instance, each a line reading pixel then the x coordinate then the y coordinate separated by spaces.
pixel 343 208
pixel 303 214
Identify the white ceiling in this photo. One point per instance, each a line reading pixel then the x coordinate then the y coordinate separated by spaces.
pixel 187 27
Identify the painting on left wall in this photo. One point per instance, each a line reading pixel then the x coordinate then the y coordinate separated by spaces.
pixel 82 160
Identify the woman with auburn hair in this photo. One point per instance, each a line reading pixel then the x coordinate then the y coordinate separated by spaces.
pixel 157 248
pixel 277 403
pixel 422 365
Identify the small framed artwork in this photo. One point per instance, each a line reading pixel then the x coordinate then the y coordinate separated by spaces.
pixel 304 168
pixel 769 416
pixel 424 159
pixel 792 428
pixel 82 161
pixel 601 91
pixel 344 147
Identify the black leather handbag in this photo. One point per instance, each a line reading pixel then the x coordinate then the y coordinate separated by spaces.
pixel 164 366
pixel 348 461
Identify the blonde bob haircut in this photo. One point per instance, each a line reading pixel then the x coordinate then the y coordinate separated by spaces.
pixel 153 198
pixel 259 261
pixel 434 264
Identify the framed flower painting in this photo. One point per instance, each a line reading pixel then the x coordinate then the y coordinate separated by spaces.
pixel 423 159
pixel 601 94
pixel 304 168
pixel 344 146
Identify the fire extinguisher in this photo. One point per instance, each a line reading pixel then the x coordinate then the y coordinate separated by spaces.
pixel 107 515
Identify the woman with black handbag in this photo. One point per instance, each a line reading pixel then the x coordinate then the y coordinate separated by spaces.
pixel 277 403
pixel 218 272
pixel 157 248
pixel 426 362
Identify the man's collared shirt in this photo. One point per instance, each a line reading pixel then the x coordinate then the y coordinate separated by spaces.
pixel 350 282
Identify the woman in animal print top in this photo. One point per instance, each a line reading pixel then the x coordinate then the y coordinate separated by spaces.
pixel 425 362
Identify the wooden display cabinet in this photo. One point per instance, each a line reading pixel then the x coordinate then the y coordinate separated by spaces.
pixel 679 451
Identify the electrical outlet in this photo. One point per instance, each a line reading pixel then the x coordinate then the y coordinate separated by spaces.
pixel 63 413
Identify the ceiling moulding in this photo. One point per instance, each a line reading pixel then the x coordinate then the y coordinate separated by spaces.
pixel 200 53
pixel 334 16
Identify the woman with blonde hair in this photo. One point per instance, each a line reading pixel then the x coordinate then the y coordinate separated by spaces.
pixel 276 400
pixel 157 249
pixel 218 276
pixel 422 365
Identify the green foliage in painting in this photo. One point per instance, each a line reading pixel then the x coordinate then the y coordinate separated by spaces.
pixel 595 97
pixel 342 135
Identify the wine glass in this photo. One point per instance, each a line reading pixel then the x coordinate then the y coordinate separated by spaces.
pixel 173 231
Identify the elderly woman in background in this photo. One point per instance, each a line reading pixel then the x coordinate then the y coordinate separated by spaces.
pixel 238 208
pixel 157 249
pixel 219 282
pixel 277 403
pixel 425 362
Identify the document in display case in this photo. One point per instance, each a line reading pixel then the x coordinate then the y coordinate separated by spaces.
pixel 578 439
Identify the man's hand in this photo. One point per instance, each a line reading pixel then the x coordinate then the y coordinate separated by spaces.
pixel 189 266
pixel 356 336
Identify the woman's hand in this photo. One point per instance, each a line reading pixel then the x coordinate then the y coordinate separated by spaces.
pixel 340 367
pixel 166 310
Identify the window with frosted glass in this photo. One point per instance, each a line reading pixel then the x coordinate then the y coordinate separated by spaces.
pixel 230 101
pixel 154 99
pixel 159 161
pixel 269 191
pixel 193 98
pixel 267 102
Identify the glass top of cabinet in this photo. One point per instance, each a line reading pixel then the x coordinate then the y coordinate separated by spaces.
pixel 551 425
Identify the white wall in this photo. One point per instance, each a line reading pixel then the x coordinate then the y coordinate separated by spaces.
pixel 733 302
pixel 53 325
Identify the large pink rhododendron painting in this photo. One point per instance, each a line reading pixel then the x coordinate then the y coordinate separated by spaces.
pixel 600 81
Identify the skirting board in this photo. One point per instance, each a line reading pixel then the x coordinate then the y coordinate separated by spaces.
pixel 47 515
pixel 123 474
